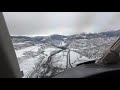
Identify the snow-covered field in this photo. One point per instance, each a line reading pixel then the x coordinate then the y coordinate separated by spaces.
pixel 28 62
pixel 34 57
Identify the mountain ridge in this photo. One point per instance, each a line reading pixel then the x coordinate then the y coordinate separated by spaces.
pixel 69 37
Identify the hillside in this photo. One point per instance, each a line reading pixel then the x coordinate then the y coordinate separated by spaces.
pixel 45 56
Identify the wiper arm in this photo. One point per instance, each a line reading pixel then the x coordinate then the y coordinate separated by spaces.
pixel 112 55
pixel 116 46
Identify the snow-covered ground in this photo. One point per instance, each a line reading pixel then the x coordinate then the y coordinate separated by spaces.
pixel 81 50
pixel 27 63
pixel 49 50
pixel 20 52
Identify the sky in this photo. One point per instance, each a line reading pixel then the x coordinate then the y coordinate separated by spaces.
pixel 63 23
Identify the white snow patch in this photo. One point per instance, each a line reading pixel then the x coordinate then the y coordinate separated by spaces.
pixel 19 43
pixel 20 52
pixel 28 65
pixel 74 59
pixel 74 56
pixel 49 50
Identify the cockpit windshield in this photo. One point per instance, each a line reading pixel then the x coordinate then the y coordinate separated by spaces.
pixel 47 43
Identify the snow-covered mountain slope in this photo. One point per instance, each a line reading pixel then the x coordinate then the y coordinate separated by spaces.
pixel 37 56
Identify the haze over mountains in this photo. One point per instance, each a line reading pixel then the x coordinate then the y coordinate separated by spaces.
pixel 42 39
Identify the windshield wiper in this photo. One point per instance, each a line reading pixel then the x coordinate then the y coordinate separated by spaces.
pixel 88 62
pixel 111 56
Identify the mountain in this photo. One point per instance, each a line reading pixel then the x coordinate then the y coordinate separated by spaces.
pixel 96 35
pixel 42 39
pixel 57 37
pixel 111 33
pixel 18 39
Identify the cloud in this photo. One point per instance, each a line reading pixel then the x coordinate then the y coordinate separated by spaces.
pixel 46 23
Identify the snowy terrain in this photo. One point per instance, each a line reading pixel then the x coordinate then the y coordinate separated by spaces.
pixel 39 59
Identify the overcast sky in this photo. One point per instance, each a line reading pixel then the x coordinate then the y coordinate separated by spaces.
pixel 65 23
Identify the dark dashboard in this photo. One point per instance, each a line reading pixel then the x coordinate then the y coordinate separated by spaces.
pixel 91 70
